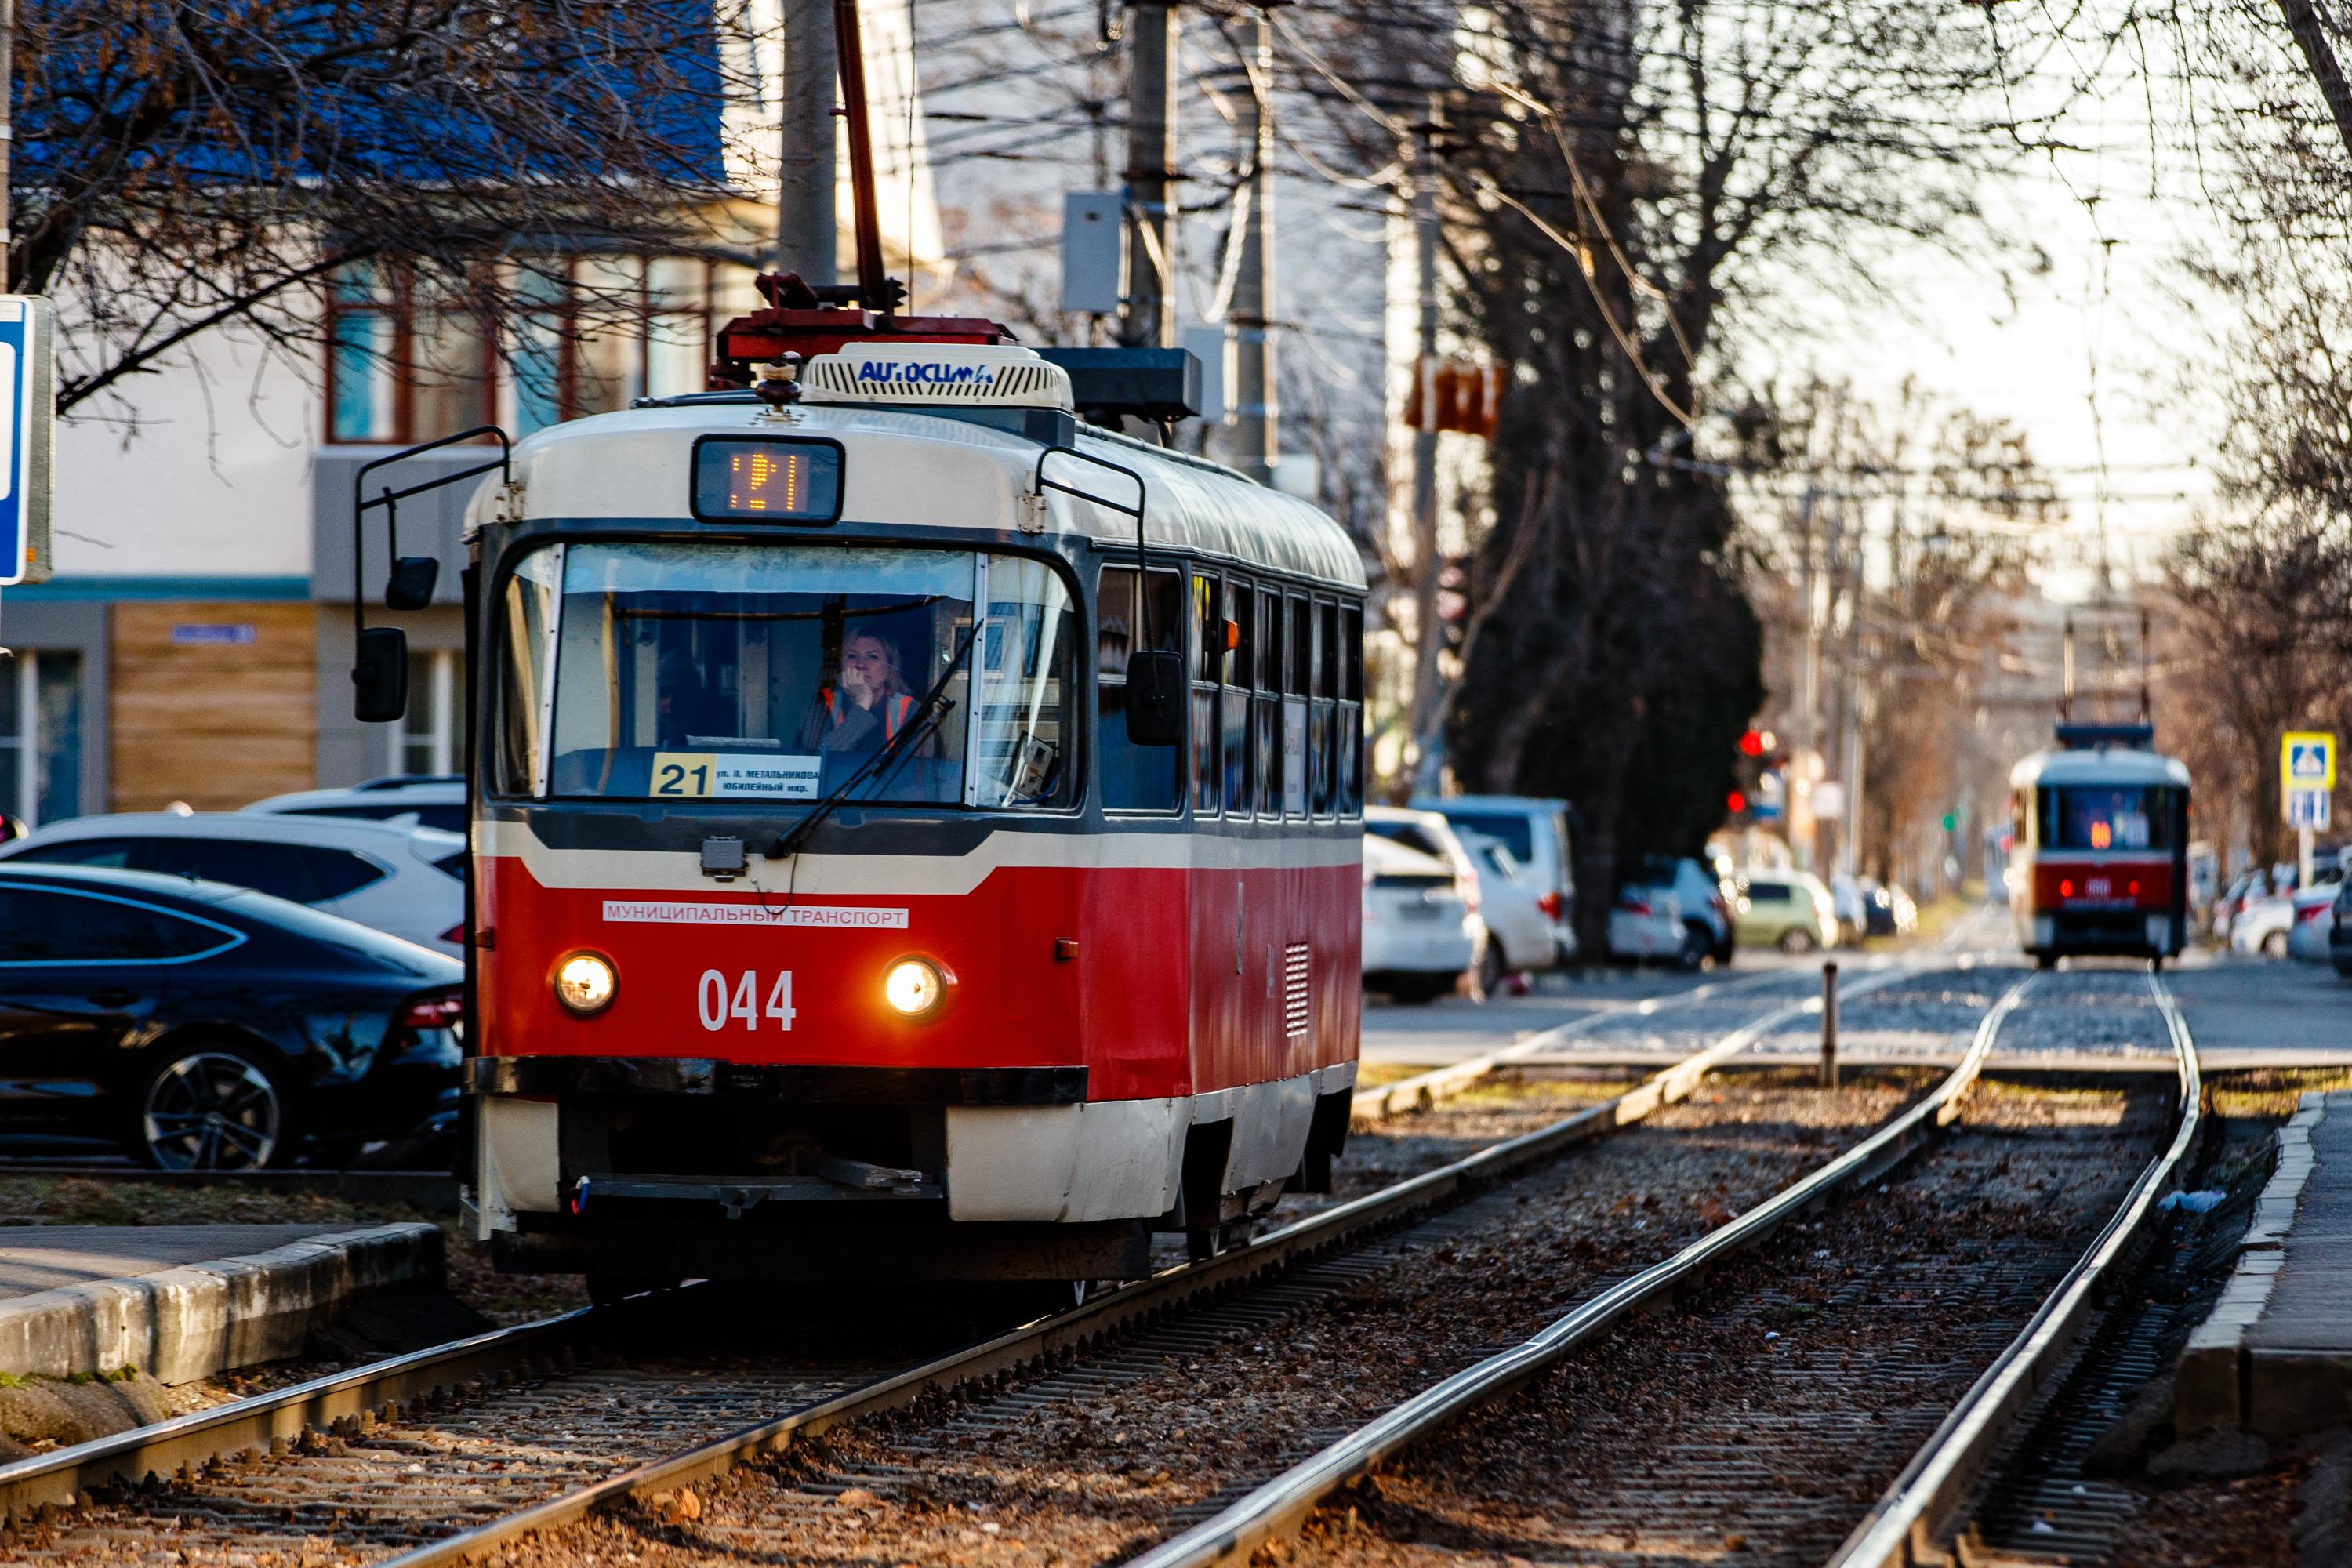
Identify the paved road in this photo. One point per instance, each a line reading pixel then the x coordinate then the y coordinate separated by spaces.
pixel 1450 1028
pixel 2247 1011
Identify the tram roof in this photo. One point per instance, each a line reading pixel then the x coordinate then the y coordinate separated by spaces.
pixel 920 469
pixel 2101 764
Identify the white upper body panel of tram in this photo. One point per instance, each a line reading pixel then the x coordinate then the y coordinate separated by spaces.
pixel 2098 766
pixel 915 469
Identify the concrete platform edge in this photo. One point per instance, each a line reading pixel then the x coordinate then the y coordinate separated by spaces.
pixel 2216 1385
pixel 185 1323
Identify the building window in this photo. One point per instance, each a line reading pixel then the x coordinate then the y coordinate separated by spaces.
pixel 402 369
pixel 41 736
pixel 426 740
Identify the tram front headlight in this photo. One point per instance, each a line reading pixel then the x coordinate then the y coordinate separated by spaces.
pixel 915 988
pixel 584 983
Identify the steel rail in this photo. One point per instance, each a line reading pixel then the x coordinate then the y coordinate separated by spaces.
pixel 1066 1335
pixel 1902 1527
pixel 60 1476
pixel 1281 1504
pixel 1425 1090
pixel 1422 1090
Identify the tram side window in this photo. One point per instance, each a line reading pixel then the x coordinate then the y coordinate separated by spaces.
pixel 1208 663
pixel 1266 728
pixel 1298 655
pixel 1027 667
pixel 1351 710
pixel 1241 603
pixel 1134 778
pixel 523 674
pixel 1322 723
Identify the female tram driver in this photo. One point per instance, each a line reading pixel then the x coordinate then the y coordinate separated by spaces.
pixel 867 708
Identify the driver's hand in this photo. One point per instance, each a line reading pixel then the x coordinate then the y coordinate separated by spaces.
pixel 852 681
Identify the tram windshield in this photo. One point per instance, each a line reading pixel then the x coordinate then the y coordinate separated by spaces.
pixel 778 672
pixel 2106 817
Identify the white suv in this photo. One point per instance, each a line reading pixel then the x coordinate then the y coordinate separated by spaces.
pixel 435 800
pixel 405 881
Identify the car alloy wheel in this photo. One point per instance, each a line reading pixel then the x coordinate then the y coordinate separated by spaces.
pixel 1798 940
pixel 210 1111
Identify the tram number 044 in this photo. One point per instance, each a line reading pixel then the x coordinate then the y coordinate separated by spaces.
pixel 719 1001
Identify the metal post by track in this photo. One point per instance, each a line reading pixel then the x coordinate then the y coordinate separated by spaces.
pixel 1829 1024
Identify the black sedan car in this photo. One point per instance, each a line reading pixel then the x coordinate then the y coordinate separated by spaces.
pixel 210 1027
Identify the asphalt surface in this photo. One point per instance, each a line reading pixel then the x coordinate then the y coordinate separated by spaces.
pixel 2245 1011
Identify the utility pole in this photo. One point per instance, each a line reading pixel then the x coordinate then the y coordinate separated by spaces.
pixel 1428 636
pixel 1850 707
pixel 807 224
pixel 1149 321
pixel 1257 434
pixel 1802 833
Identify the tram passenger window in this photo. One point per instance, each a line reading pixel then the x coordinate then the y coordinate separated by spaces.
pixel 1351 653
pixel 1134 778
pixel 1239 753
pixel 1208 719
pixel 1272 620
pixel 1027 659
pixel 1322 724
pixel 524 644
pixel 1302 647
pixel 1299 650
pixel 1351 735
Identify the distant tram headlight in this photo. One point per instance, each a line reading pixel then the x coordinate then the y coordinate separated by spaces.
pixel 915 988
pixel 584 983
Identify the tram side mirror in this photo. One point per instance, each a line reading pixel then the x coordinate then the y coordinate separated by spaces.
pixel 411 585
pixel 1155 698
pixel 380 676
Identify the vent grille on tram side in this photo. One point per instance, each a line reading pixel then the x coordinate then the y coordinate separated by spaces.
pixel 1296 994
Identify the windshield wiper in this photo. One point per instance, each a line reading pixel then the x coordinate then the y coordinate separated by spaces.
pixel 923 721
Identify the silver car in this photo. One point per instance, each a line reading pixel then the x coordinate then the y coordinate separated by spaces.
pixel 397 878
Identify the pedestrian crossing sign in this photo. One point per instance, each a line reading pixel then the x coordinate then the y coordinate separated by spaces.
pixel 2307 760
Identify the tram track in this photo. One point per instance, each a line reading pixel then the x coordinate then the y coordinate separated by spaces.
pixel 1700 1435
pixel 293 1473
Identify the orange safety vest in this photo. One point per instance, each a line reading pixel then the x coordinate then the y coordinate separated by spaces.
pixel 894 712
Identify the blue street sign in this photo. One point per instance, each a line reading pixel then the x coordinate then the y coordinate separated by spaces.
pixel 28 405
pixel 2307 808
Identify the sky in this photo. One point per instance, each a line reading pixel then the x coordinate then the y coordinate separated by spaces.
pixel 2085 353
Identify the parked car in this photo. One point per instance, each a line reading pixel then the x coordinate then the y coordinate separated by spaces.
pixel 2267 925
pixel 1788 910
pixel 1536 833
pixel 1887 909
pixel 2244 891
pixel 1518 933
pixel 1646 925
pixel 1848 901
pixel 204 1026
pixel 1421 935
pixel 434 800
pixel 1703 902
pixel 402 879
pixel 2339 930
pixel 2314 909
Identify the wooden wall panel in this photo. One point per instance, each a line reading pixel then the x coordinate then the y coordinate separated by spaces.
pixel 200 717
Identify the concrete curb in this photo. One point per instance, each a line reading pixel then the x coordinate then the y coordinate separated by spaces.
pixel 181 1324
pixel 2212 1386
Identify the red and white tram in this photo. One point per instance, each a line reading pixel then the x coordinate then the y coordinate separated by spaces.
pixel 2100 857
pixel 828 920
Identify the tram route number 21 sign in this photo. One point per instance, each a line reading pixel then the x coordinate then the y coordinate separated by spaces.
pixel 774 775
pixel 29 382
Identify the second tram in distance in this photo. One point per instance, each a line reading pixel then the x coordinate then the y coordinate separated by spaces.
pixel 2099 864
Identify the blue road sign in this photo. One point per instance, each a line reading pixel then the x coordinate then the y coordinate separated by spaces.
pixel 2307 808
pixel 27 401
